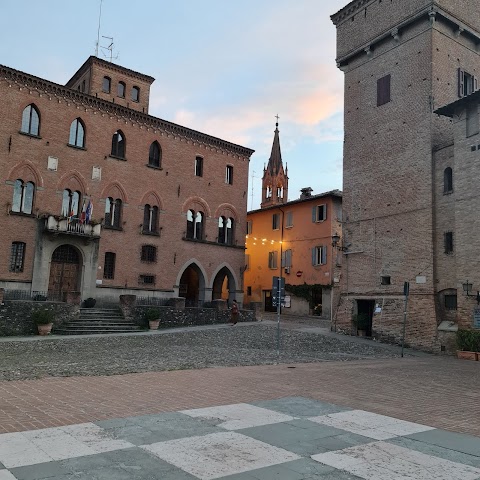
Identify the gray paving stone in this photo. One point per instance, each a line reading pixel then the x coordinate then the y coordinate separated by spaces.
pixel 276 472
pixel 299 436
pixel 148 429
pixel 307 466
pixel 337 475
pixel 339 442
pixel 436 451
pixel 454 441
pixel 40 471
pixel 300 406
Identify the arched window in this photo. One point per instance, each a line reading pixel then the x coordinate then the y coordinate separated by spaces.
pixel 225 230
pixel 136 94
pixel 118 145
pixel 121 89
pixel 268 192
pixel 447 180
pixel 106 84
pixel 23 197
pixel 77 134
pixel 195 225
pixel 113 213
pixel 70 204
pixel 30 120
pixel 155 155
pixel 279 191
pixel 150 219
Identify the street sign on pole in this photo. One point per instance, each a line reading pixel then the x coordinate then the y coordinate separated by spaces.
pixel 275 283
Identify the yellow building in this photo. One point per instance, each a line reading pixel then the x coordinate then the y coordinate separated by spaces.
pixel 294 240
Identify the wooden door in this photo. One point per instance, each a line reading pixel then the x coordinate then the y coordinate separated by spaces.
pixel 64 273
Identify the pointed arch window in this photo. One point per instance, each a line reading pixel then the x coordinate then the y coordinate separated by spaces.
pixel 118 145
pixel 268 192
pixel 77 134
pixel 113 213
pixel 23 193
pixel 155 155
pixel 30 120
pixel 225 230
pixel 448 180
pixel 195 221
pixel 150 219
pixel 280 191
pixel 70 204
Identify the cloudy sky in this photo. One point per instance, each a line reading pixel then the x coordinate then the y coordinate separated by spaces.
pixel 222 67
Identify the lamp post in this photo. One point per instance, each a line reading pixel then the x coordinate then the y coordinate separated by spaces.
pixel 279 289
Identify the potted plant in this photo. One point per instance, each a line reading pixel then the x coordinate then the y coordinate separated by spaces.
pixel 152 315
pixel 44 320
pixel 468 344
pixel 361 322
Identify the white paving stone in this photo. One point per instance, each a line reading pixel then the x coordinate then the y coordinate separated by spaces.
pixel 384 461
pixel 6 475
pixel 371 425
pixel 49 444
pixel 240 415
pixel 219 454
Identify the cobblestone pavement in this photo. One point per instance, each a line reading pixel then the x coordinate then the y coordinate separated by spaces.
pixel 188 348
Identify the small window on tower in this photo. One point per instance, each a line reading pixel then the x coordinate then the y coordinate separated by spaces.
pixel 383 90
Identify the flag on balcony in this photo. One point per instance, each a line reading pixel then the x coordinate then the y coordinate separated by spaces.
pixel 88 214
pixel 83 215
pixel 70 216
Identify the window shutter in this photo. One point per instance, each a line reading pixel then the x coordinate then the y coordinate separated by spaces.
pixel 284 256
pixel 324 255
pixel 289 258
pixel 313 255
pixel 314 214
pixel 475 84
pixel 325 212
pixel 461 81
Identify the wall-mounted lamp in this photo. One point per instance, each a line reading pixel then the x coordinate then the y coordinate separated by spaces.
pixel 467 288
pixel 335 243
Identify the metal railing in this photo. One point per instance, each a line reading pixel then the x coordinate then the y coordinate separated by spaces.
pixel 34 295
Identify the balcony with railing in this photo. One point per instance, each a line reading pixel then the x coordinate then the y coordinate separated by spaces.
pixel 72 226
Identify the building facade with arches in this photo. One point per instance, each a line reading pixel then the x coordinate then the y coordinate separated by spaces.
pixel 102 199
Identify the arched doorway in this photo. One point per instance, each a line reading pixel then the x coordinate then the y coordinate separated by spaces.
pixel 192 286
pixel 64 273
pixel 223 285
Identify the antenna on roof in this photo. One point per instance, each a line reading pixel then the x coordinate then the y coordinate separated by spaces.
pixel 98 31
pixel 110 49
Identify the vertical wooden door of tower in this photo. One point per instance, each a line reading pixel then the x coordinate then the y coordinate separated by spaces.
pixel 64 273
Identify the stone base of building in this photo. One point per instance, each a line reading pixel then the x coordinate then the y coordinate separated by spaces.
pixel 387 319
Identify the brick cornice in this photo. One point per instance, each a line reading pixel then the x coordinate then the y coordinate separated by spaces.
pixel 50 88
pixel 348 10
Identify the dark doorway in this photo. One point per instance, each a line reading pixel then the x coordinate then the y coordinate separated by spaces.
pixel 189 287
pixel 269 301
pixel 64 273
pixel 367 307
pixel 223 285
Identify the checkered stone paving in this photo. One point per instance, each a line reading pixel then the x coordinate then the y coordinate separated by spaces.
pixel 291 438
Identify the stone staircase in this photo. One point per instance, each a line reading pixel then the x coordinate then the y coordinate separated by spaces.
pixel 95 320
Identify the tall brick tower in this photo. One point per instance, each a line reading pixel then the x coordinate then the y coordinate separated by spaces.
pixel 275 178
pixel 402 59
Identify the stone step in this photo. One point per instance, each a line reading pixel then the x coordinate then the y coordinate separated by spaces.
pixel 98 320
pixel 87 331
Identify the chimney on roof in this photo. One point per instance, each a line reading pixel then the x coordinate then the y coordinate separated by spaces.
pixel 306 193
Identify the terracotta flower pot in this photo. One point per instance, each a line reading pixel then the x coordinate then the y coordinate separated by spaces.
pixel 153 324
pixel 467 355
pixel 45 329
